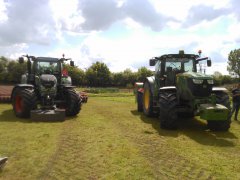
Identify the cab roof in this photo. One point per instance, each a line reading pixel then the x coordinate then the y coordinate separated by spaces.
pixel 177 56
pixel 47 59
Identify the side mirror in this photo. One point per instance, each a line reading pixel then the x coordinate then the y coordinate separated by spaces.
pixel 21 60
pixel 152 62
pixel 71 63
pixel 209 63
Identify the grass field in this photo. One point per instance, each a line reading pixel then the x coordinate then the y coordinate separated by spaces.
pixel 109 139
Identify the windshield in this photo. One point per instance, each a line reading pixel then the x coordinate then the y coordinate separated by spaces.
pixel 179 64
pixel 44 67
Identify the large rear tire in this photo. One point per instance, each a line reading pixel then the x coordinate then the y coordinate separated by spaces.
pixel 139 102
pixel 23 101
pixel 221 98
pixel 147 100
pixel 73 102
pixel 168 115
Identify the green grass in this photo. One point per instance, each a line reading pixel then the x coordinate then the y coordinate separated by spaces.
pixel 99 90
pixel 109 139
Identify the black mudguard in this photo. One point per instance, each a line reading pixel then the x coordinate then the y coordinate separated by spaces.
pixel 23 86
pixel 151 81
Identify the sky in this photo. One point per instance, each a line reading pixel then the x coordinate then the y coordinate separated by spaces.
pixel 120 33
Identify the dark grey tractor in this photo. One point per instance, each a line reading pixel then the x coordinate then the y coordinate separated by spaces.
pixel 46 91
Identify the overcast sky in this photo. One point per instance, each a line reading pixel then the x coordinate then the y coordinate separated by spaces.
pixel 121 33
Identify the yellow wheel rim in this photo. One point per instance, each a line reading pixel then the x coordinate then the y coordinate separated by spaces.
pixel 146 98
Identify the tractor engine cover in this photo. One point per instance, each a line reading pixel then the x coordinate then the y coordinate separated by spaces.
pixel 48 85
pixel 48 81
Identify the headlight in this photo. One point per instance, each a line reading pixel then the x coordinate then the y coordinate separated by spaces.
pixel 197 81
pixel 210 81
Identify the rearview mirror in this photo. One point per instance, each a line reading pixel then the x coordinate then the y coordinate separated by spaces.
pixel 71 63
pixel 152 62
pixel 209 63
pixel 21 60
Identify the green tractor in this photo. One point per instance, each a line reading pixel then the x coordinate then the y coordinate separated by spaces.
pixel 46 91
pixel 178 91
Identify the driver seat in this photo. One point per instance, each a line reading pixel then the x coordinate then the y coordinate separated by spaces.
pixel 171 76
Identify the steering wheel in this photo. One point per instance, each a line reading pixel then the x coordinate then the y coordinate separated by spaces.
pixel 47 71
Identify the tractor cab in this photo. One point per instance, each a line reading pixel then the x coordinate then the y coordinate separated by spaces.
pixel 169 67
pixel 47 66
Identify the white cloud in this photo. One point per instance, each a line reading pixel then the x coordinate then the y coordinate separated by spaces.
pixel 14 51
pixel 90 30
pixel 180 9
pixel 28 22
pixel 3 8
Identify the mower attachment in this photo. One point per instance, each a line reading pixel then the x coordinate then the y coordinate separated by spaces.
pixel 48 115
pixel 216 112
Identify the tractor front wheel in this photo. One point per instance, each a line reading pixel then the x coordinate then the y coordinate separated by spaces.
pixel 147 100
pixel 168 115
pixel 23 101
pixel 72 102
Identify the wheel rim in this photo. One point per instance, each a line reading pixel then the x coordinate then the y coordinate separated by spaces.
pixel 146 98
pixel 18 104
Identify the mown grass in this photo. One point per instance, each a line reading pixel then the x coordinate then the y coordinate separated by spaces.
pixel 101 90
pixel 109 139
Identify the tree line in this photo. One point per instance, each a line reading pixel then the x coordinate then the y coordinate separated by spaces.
pixel 99 75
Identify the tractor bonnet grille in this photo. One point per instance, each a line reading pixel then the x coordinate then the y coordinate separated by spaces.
pixel 200 90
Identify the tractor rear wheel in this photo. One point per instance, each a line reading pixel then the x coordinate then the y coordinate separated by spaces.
pixel 139 102
pixel 221 98
pixel 73 102
pixel 23 101
pixel 168 115
pixel 147 100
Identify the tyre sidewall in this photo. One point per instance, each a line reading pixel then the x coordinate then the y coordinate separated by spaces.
pixel 27 104
pixel 168 115
pixel 139 102
pixel 72 102
pixel 147 111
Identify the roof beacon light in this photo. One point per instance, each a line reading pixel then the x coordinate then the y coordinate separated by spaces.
pixel 199 52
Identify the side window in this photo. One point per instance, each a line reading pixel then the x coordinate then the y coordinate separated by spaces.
pixel 158 67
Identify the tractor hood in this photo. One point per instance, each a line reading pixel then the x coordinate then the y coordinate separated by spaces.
pixel 48 81
pixel 196 75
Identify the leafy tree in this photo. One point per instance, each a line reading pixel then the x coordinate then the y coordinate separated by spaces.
pixel 3 64
pixel 129 77
pixel 77 75
pixel 15 71
pixel 98 74
pixel 142 73
pixel 220 79
pixel 11 71
pixel 3 69
pixel 117 79
pixel 226 79
pixel 234 62
pixel 217 74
